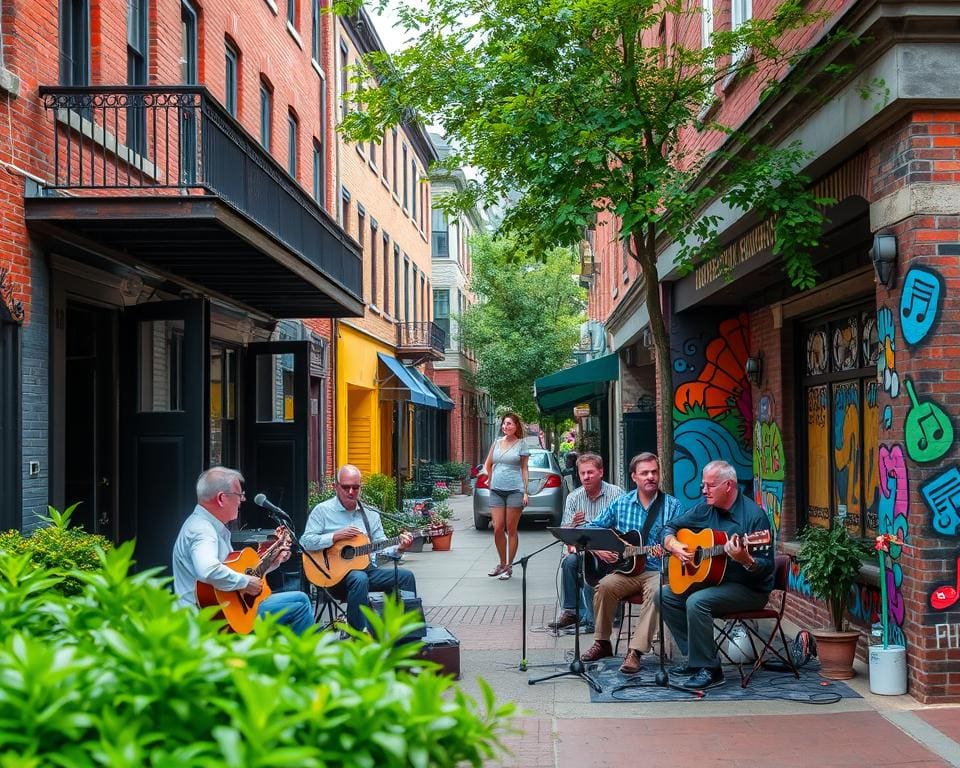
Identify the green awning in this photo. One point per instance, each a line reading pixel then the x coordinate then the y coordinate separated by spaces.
pixel 562 390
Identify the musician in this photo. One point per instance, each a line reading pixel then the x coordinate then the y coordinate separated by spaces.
pixel 630 512
pixel 343 517
pixel 204 543
pixel 747 582
pixel 582 506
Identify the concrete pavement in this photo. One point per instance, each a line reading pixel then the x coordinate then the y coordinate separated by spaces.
pixel 561 727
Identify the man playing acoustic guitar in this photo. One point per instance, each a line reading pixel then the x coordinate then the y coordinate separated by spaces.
pixel 746 582
pixel 203 545
pixel 344 517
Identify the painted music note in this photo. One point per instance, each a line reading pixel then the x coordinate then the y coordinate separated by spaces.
pixel 942 495
pixel 945 596
pixel 919 303
pixel 928 432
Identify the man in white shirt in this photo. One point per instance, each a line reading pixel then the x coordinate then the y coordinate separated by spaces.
pixel 204 543
pixel 342 517
pixel 583 505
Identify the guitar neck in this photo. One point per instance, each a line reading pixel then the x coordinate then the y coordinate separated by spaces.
pixel 267 558
pixel 376 546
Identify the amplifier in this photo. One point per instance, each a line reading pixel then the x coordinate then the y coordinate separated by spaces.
pixel 411 604
pixel 440 646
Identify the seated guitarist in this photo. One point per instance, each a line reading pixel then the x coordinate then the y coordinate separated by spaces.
pixel 642 511
pixel 582 506
pixel 204 543
pixel 747 581
pixel 343 517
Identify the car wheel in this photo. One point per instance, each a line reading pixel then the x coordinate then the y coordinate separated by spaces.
pixel 480 522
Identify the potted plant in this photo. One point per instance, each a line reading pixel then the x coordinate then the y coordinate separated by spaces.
pixel 830 561
pixel 440 517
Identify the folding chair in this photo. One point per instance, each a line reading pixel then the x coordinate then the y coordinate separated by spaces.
pixel 626 618
pixel 324 602
pixel 772 611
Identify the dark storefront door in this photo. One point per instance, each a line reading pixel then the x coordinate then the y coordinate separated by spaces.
pixel 639 435
pixel 90 417
pixel 10 498
pixel 164 391
pixel 276 420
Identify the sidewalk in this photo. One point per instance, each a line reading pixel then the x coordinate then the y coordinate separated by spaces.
pixel 563 728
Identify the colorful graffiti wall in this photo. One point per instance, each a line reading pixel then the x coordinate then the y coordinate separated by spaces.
pixel 769 463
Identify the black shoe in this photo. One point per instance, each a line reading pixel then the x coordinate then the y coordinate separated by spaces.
pixel 565 619
pixel 682 670
pixel 703 679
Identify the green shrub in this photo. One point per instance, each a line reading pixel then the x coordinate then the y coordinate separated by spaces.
pixel 118 675
pixel 454 469
pixel 317 492
pixel 57 545
pixel 381 491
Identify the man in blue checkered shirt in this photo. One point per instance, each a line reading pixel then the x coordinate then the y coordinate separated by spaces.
pixel 629 513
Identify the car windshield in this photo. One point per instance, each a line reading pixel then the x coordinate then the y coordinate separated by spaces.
pixel 539 460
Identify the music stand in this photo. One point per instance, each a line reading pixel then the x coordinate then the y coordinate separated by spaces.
pixel 582 539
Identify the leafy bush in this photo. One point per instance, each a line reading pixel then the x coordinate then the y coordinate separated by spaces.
pixel 381 491
pixel 454 469
pixel 57 545
pixel 317 492
pixel 118 675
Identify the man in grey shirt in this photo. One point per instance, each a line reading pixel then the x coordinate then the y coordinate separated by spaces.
pixel 343 517
pixel 583 505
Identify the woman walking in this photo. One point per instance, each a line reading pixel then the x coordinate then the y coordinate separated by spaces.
pixel 506 466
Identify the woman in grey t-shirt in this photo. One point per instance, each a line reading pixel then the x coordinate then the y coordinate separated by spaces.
pixel 506 466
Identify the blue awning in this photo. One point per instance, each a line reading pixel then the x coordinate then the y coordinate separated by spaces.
pixel 443 399
pixel 400 384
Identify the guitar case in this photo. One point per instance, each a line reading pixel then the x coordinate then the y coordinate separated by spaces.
pixel 440 646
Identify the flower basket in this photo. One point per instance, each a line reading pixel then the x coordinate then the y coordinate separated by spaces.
pixel 443 542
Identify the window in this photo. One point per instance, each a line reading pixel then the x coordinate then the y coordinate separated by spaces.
pixel 441 309
pixel 344 80
pixel 423 298
pixel 439 235
pixel 394 161
pixel 383 157
pixel 373 261
pixel 406 289
pixel 319 174
pixel 386 273
pixel 706 23
pixel 413 297
pixel 361 226
pixel 405 181
pixel 372 155
pixel 137 16
pixel 266 110
pixel 74 42
pixel 315 32
pixel 396 280
pixel 292 14
pixel 413 190
pixel 231 79
pixel 345 208
pixel 741 11
pixel 189 55
pixel 839 402
pixel 293 140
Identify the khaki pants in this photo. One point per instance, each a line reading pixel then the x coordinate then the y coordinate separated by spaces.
pixel 615 587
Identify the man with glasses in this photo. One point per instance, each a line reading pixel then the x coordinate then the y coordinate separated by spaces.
pixel 342 517
pixel 204 543
pixel 747 581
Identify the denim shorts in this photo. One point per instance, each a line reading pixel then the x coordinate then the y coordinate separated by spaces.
pixel 500 499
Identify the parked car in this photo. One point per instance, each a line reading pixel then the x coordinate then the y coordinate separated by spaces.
pixel 544 489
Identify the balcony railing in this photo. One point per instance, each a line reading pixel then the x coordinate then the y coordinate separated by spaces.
pixel 421 337
pixel 178 140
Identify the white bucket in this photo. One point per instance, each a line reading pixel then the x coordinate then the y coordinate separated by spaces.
pixel 888 670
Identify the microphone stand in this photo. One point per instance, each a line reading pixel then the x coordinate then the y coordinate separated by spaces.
pixel 522 562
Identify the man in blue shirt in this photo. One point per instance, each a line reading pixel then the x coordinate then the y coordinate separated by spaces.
pixel 746 583
pixel 342 517
pixel 630 512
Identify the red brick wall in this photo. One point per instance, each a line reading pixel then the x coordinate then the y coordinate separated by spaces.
pixel 465 429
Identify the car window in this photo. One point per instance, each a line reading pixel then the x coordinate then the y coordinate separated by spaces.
pixel 539 460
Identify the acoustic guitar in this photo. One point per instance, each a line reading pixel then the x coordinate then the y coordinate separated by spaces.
pixel 709 560
pixel 630 562
pixel 353 554
pixel 238 608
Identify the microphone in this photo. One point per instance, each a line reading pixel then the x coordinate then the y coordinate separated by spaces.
pixel 273 510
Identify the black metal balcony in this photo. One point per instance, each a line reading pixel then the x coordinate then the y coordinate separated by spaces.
pixel 166 176
pixel 421 341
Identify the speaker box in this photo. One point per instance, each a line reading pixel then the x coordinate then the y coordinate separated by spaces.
pixel 411 604
pixel 440 646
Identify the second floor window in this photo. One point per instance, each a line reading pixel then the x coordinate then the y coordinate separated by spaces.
pixel 439 235
pixel 266 111
pixel 319 172
pixel 441 309
pixel 293 140
pixel 74 42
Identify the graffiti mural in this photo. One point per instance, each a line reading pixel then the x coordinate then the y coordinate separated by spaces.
pixel 942 494
pixel 945 596
pixel 893 511
pixel 887 359
pixel 818 457
pixel 919 304
pixel 768 462
pixel 713 408
pixel 847 446
pixel 927 431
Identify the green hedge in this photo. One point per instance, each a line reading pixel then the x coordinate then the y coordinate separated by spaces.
pixel 118 675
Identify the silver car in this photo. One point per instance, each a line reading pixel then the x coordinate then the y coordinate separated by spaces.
pixel 544 489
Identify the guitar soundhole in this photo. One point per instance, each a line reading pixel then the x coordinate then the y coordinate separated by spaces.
pixel 348 553
pixel 698 557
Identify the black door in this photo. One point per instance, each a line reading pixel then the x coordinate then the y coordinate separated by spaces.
pixel 164 391
pixel 276 424
pixel 10 499
pixel 639 434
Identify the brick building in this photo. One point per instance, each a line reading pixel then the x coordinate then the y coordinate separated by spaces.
pixel 840 400
pixel 390 417
pixel 168 212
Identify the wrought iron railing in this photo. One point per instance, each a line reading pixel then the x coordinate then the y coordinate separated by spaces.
pixel 426 335
pixel 180 140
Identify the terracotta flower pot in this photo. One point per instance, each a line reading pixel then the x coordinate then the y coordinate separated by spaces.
pixel 442 542
pixel 836 651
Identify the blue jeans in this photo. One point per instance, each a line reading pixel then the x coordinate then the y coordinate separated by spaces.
pixel 357 586
pixel 295 607
pixel 568 570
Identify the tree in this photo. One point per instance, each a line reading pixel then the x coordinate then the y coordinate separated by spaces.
pixel 526 320
pixel 584 106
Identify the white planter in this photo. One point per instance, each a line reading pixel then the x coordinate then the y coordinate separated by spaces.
pixel 888 670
